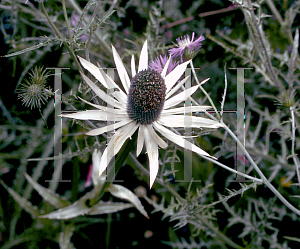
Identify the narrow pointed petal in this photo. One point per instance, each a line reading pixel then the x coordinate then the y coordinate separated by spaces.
pixel 102 95
pixel 174 76
pixel 105 108
pixel 143 62
pixel 187 109
pixel 180 97
pixel 93 70
pixel 164 72
pixel 179 140
pixel 115 144
pixel 188 121
pixel 140 141
pixel 121 70
pixel 108 128
pixel 152 152
pixel 95 115
pixel 176 88
pixel 133 70
pixel 120 95
pixel 160 142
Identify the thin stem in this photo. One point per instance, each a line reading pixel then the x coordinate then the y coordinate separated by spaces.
pixel 218 233
pixel 108 229
pixel 232 50
pixel 158 180
pixel 275 11
pixel 191 18
pixel 279 19
pixel 61 37
pixel 91 33
pixel 265 180
pixel 68 24
pixel 293 144
pixel 203 90
pixel 233 170
pixel 50 21
pixel 263 46
pixel 99 36
pixel 103 44
pixel 224 94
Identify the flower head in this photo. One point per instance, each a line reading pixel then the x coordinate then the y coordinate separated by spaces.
pixel 159 63
pixel 287 98
pixel 33 92
pixel 147 105
pixel 146 96
pixel 186 48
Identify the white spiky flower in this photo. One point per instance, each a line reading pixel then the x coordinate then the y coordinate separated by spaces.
pixel 147 105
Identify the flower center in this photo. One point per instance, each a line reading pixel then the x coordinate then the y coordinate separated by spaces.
pixel 146 96
pixel 35 90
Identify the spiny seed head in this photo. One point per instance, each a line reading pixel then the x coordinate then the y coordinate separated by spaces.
pixel 33 92
pixel 287 98
pixel 146 96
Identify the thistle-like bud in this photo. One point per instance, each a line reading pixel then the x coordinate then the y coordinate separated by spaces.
pixel 33 92
pixel 286 98
pixel 186 48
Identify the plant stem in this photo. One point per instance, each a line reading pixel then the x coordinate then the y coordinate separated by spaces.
pixel 275 11
pixel 265 180
pixel 158 180
pixel 203 90
pixel 263 47
pixel 91 33
pixel 99 36
pixel 61 37
pixel 218 233
pixel 296 162
pixel 67 22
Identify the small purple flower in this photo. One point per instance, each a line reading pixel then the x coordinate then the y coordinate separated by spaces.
pixel 186 48
pixel 159 63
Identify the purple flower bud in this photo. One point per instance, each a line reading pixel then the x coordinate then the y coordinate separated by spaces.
pixel 186 48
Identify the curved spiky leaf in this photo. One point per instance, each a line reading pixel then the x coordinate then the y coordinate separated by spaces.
pixel 124 193
pixel 109 207
pixel 48 195
pixel 22 201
